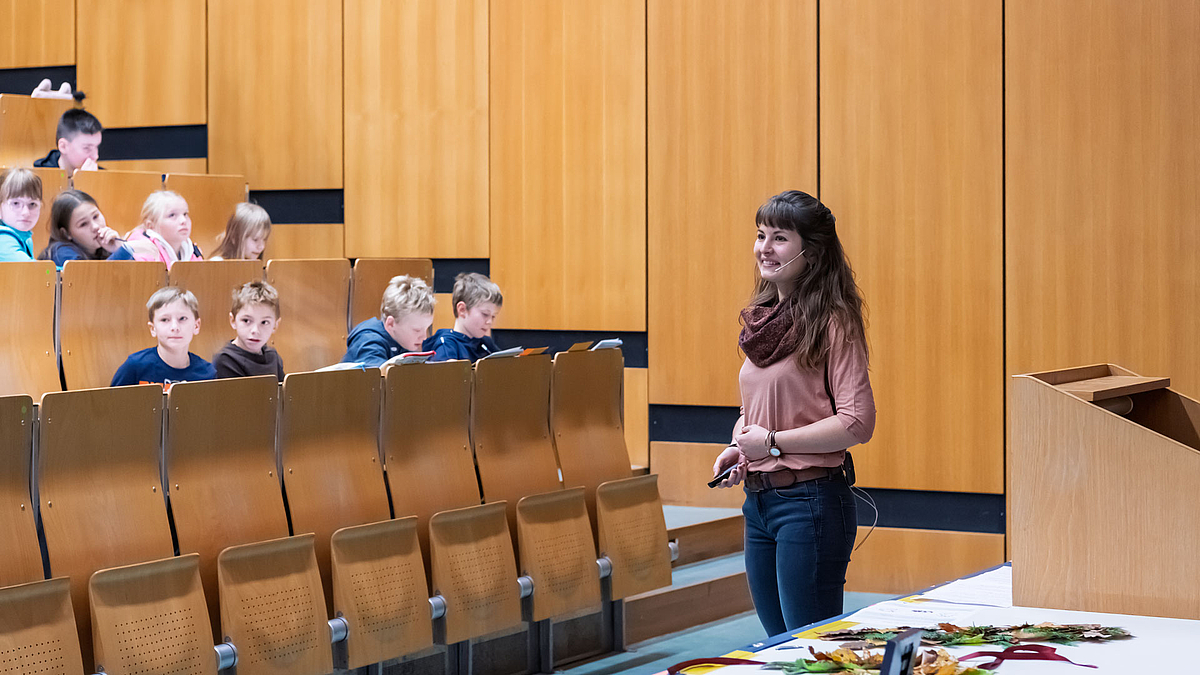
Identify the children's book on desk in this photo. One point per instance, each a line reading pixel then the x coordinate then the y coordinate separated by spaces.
pixel 515 351
pixel 610 343
pixel 410 357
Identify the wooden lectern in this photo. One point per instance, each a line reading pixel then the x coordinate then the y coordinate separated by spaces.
pixel 1104 485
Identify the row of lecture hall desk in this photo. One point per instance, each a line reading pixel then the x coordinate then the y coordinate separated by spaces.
pixel 27 133
pixel 343 518
pixel 97 310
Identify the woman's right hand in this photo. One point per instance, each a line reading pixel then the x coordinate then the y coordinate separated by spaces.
pixel 730 456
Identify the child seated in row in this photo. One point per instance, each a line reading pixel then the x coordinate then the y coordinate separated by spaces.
pixel 245 235
pixel 477 302
pixel 78 232
pixel 20 206
pixel 174 321
pixel 79 135
pixel 254 315
pixel 403 322
pixel 165 230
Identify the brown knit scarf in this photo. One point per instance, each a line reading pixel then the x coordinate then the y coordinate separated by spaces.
pixel 768 333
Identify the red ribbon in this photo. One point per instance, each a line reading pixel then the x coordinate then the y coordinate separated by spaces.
pixel 1022 653
pixel 715 661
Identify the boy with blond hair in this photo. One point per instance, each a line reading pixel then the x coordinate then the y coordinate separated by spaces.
pixel 477 302
pixel 255 316
pixel 405 316
pixel 174 321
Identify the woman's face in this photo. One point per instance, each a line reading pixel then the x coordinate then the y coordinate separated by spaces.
pixel 253 245
pixel 778 254
pixel 85 227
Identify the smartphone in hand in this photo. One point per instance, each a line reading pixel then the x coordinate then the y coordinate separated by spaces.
pixel 722 476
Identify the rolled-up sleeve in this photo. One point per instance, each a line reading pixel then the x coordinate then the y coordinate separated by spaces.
pixel 851 384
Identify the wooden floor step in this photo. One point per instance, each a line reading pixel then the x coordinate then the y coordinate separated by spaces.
pixel 699 593
pixel 703 533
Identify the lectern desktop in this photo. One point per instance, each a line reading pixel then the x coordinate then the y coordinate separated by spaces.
pixel 1104 485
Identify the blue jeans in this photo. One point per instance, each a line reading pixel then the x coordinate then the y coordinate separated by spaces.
pixel 798 543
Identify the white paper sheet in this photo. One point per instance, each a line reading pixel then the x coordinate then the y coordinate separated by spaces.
pixel 992 588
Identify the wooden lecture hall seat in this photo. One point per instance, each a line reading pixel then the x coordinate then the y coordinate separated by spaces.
pixel 371 276
pixel 99 486
pixel 222 479
pixel 515 455
pixel 333 475
pixel 213 283
pixel 37 622
pixel 102 317
pixel 314 298
pixel 54 182
pixel 28 361
pixel 470 551
pixel 228 507
pixel 120 194
pixel 28 127
pixel 211 200
pixel 585 416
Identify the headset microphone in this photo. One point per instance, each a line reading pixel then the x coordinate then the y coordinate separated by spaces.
pixel 791 261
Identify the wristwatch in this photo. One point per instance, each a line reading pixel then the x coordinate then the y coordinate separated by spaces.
pixel 772 447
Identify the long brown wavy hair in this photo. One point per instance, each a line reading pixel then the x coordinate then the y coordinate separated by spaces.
pixel 826 289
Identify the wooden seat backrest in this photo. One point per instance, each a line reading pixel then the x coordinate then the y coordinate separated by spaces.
pixel 314 296
pixel 54 181
pixel 273 609
pixel 585 416
pixel 221 470
pixel 510 429
pixel 474 569
pixel 120 194
pixel 379 586
pixel 151 618
pixel 633 535
pixel 102 317
pixel 211 200
pixel 28 361
pixel 28 127
pixel 37 629
pixel 426 432
pixel 557 550
pixel 18 530
pixel 99 485
pixel 213 283
pixel 371 276
pixel 329 451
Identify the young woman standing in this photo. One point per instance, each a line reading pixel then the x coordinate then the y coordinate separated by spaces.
pixel 806 398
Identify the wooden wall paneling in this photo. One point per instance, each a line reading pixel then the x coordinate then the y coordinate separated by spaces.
pixel 42 33
pixel 275 92
pixel 732 120
pixel 211 200
pixel 637 417
pixel 926 557
pixel 132 75
pixel 28 128
pixel 684 470
pixel 317 240
pixel 120 194
pixel 911 166
pixel 1102 229
pixel 54 181
pixel 170 165
pixel 416 108
pixel 568 143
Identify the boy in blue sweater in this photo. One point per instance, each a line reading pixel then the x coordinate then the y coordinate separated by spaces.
pixel 477 302
pixel 404 319
pixel 174 321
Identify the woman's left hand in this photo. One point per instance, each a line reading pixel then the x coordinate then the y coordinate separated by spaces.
pixel 752 441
